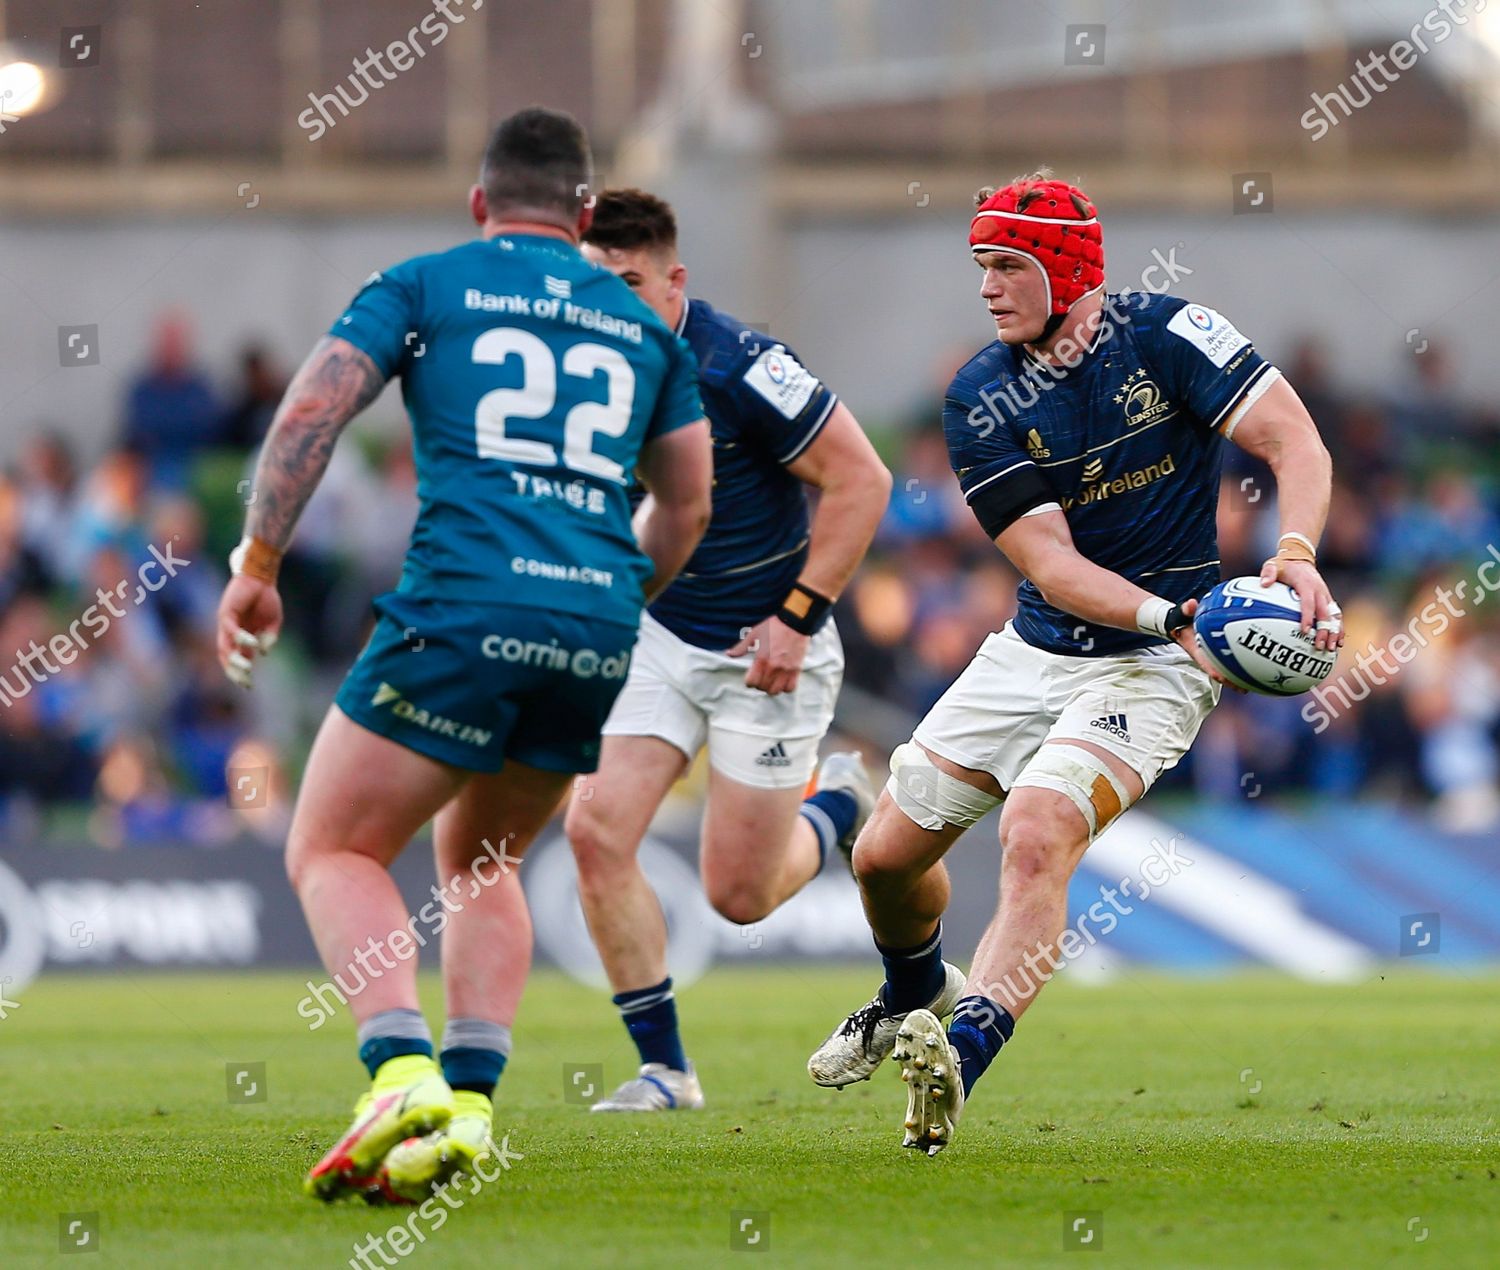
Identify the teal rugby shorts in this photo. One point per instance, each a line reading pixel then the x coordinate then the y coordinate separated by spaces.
pixel 475 684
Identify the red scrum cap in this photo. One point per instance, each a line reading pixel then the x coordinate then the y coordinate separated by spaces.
pixel 1053 225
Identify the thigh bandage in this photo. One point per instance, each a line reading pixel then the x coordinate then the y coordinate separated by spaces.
pixel 929 796
pixel 1081 776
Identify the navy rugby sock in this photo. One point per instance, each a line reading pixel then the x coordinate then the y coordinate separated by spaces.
pixel 978 1029
pixel 831 813
pixel 913 976
pixel 650 1016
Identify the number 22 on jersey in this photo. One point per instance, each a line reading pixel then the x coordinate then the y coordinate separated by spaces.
pixel 536 398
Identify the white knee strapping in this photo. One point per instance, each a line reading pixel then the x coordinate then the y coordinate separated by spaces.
pixel 1083 777
pixel 929 796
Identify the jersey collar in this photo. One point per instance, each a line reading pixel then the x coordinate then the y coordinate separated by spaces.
pixel 1031 359
pixel 682 321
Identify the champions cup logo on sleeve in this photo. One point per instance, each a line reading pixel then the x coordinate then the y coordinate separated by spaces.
pixel 1212 334
pixel 782 380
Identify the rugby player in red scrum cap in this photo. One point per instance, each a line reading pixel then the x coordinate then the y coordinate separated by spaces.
pixel 1087 440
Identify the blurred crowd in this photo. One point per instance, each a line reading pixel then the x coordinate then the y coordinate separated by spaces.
pixel 137 737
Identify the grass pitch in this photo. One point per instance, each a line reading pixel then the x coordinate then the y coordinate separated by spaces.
pixel 1243 1122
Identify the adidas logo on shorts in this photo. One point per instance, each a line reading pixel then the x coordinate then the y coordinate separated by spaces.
pixel 1114 724
pixel 776 756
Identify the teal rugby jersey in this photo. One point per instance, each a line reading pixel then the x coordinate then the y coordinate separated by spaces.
pixel 532 379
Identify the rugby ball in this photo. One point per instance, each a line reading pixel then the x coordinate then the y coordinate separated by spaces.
pixel 1252 635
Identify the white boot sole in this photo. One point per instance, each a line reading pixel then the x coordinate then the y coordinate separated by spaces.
pixel 934 1086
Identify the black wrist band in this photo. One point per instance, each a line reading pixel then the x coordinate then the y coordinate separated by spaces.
pixel 1175 620
pixel 803 609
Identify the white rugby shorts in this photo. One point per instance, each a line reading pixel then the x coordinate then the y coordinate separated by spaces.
pixel 690 696
pixel 1144 707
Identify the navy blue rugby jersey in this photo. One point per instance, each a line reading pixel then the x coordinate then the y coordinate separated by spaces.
pixel 1127 442
pixel 764 408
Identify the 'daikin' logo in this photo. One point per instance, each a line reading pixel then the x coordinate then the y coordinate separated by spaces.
pixel 1142 400
pixel 1036 447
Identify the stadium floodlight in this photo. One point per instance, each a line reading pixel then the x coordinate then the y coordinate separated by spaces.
pixel 1487 29
pixel 24 86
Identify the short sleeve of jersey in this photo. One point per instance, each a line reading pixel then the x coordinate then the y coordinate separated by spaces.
pixel 382 319
pixel 678 404
pixel 1207 364
pixel 999 481
pixel 784 401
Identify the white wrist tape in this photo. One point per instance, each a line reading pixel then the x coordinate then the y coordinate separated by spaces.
pixel 1151 617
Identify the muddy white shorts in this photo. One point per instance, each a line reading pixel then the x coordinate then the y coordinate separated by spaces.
pixel 690 696
pixel 1143 707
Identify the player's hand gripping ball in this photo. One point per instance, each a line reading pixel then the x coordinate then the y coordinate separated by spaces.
pixel 1253 635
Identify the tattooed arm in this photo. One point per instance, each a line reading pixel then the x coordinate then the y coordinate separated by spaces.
pixel 335 383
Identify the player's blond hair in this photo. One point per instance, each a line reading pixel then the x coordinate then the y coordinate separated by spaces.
pixel 1027 187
